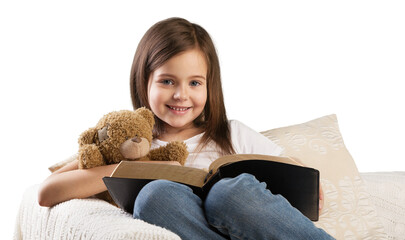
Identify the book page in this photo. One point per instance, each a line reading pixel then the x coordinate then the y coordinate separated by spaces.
pixel 243 157
pixel 145 170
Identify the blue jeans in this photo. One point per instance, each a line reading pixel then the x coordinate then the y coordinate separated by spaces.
pixel 235 208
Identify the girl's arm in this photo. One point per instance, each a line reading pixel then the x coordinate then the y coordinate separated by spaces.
pixel 69 182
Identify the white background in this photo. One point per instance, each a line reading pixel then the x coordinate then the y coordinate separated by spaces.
pixel 65 64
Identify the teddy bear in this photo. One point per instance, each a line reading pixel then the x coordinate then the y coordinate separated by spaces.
pixel 125 135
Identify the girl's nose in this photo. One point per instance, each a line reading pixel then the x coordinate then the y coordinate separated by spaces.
pixel 181 93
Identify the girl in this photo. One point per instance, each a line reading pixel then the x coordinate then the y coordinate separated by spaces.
pixel 176 74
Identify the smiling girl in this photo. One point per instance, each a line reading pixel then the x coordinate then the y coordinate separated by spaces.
pixel 176 74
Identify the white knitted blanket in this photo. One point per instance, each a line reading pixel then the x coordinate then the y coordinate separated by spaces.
pixel 387 191
pixel 98 220
pixel 81 219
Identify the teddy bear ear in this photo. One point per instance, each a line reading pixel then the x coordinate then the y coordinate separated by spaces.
pixel 147 114
pixel 87 137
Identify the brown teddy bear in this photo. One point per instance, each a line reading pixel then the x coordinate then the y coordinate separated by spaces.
pixel 125 135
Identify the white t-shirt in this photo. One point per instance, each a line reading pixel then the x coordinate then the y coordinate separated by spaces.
pixel 244 141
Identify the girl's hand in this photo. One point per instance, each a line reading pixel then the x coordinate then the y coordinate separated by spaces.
pixel 321 199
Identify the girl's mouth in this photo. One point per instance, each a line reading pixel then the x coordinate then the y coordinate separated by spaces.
pixel 178 108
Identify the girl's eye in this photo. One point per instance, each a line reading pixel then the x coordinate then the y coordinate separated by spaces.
pixel 195 83
pixel 167 82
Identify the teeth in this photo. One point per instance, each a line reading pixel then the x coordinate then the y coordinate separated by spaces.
pixel 178 109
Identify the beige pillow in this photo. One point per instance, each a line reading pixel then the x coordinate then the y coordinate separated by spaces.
pixel 61 164
pixel 348 212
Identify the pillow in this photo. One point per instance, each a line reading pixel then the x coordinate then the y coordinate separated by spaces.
pixel 348 212
pixel 61 164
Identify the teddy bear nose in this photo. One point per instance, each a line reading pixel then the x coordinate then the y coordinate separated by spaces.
pixel 136 139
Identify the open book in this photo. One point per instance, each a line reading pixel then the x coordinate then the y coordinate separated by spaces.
pixel 298 184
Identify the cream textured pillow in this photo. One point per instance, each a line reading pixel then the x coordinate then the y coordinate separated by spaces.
pixel 61 164
pixel 348 212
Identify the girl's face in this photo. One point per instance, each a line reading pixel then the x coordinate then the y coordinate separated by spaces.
pixel 177 91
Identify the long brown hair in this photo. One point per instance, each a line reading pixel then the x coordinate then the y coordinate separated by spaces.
pixel 164 40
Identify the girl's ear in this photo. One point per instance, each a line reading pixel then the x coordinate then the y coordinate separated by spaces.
pixel 147 114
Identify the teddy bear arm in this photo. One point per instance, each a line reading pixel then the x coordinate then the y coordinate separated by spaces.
pixel 173 151
pixel 158 154
pixel 89 157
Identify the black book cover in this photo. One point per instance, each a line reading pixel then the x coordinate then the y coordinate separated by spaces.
pixel 299 185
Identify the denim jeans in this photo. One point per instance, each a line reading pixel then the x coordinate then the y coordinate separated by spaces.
pixel 235 208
